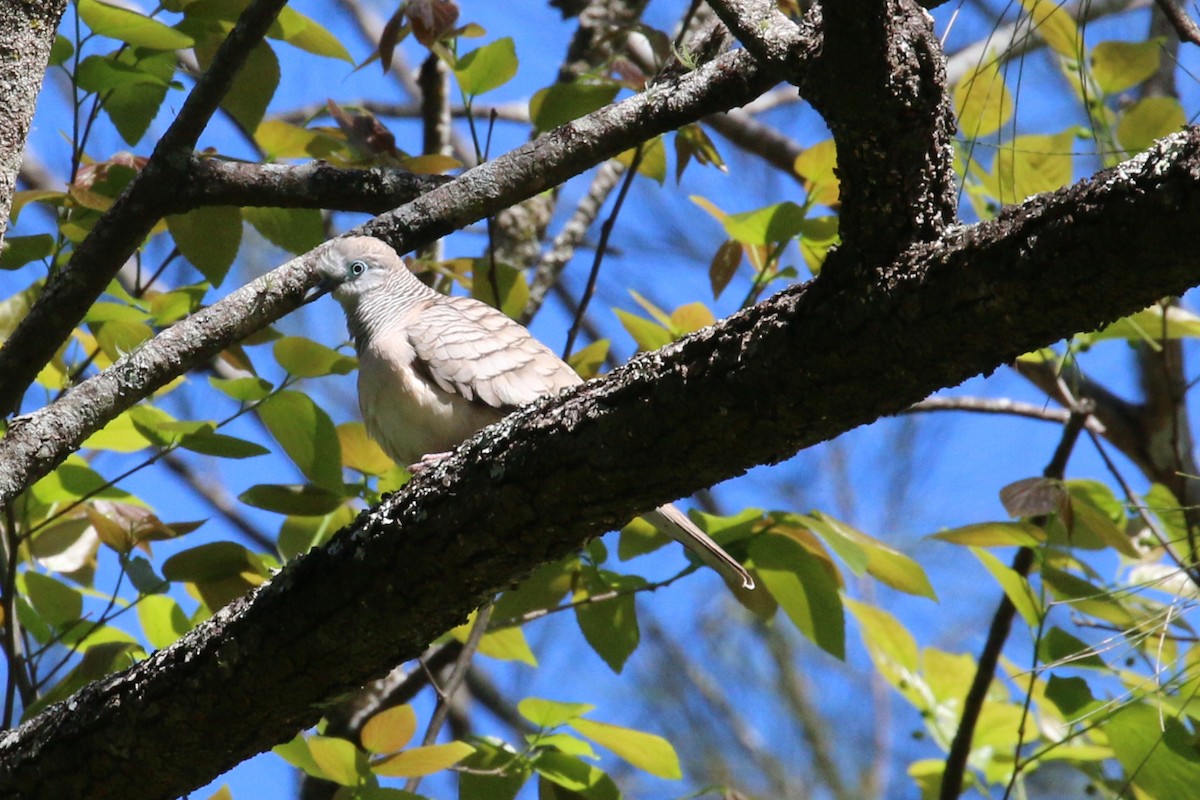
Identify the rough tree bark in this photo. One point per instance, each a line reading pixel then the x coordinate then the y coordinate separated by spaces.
pixel 797 369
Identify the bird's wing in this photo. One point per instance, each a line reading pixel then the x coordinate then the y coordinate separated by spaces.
pixel 469 348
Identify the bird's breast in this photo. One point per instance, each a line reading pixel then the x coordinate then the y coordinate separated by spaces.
pixel 407 414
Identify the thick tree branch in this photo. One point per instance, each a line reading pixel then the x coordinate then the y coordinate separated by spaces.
pixel 35 444
pixel 216 182
pixel 533 487
pixel 24 52
pixel 70 292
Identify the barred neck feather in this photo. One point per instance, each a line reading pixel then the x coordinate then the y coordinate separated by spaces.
pixel 388 303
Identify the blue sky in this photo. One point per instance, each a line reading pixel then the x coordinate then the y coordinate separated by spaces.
pixel 954 465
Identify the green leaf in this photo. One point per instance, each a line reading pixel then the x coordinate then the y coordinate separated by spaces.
pixel 296 230
pixel 559 104
pixel 389 730
pixel 1158 752
pixel 487 68
pixel 132 107
pixel 804 586
pixel 1117 66
pixel 304 501
pixel 129 26
pixel 1056 27
pixel 509 281
pixel 982 102
pixel 253 86
pixel 300 31
pixel 495 771
pixel 504 644
pixel 339 760
pixel 307 436
pixel 1148 119
pixel 647 752
pixel 994 534
pixel 61 50
pixel 297 754
pixel 610 626
pixel 242 389
pixel 162 620
pixel 1015 586
pixel 20 250
pixel 1031 165
pixel 122 434
pixel 1087 598
pixel 892 648
pixel 299 534
pixel 218 444
pixel 586 361
pixel 304 358
pixel 880 561
pixel 100 74
pixel 1059 648
pixel 547 714
pixel 575 776
pixel 212 561
pixel 777 223
pixel 209 238
pixel 422 760
pixel 653 163
pixel 360 452
pixel 53 600
pixel 648 335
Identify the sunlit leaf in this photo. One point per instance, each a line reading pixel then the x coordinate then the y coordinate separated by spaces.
pixel 1117 66
pixel 646 751
pixel 549 714
pixel 487 68
pixel 559 104
pixel 307 436
pixel 300 31
pixel 1015 586
pixel 390 729
pixel 53 600
pixel 162 620
pixel 1148 119
pixel 804 587
pixel 982 102
pixel 129 26
pixel 422 760
pixel 339 760
pixel 610 625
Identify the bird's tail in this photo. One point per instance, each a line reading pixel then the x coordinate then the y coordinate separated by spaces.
pixel 674 523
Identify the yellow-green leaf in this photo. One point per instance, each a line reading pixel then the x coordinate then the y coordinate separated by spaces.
pixel 340 761
pixel 129 26
pixel 994 534
pixel 300 31
pixel 209 238
pixel 1116 66
pixel 304 358
pixel 563 102
pixel 1031 165
pixel 804 586
pixel 982 102
pixel 307 436
pixel 162 620
pixel 487 68
pixel 1015 586
pixel 422 760
pixel 817 165
pixel 645 751
pixel 547 714
pixel 1056 27
pixel 389 730
pixel 1148 119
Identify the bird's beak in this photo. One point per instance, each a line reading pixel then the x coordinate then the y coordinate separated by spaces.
pixel 323 288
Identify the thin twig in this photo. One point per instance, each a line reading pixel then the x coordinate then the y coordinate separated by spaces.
pixel 1002 619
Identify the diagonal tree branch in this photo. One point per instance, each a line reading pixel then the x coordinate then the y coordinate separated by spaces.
pixel 527 491
pixel 36 443
pixel 70 292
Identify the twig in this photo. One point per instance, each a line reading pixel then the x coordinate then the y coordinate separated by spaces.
pixel 1002 619
pixel 457 675
pixel 1185 26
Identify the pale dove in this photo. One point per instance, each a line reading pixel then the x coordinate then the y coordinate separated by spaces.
pixel 433 369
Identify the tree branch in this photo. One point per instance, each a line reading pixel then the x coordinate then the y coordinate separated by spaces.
pixel 526 488
pixel 71 291
pixel 36 443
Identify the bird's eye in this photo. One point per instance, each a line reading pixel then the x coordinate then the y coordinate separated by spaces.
pixel 358 268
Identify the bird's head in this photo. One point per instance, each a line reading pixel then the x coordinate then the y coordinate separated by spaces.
pixel 355 267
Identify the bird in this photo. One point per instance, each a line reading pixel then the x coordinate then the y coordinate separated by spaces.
pixel 433 369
